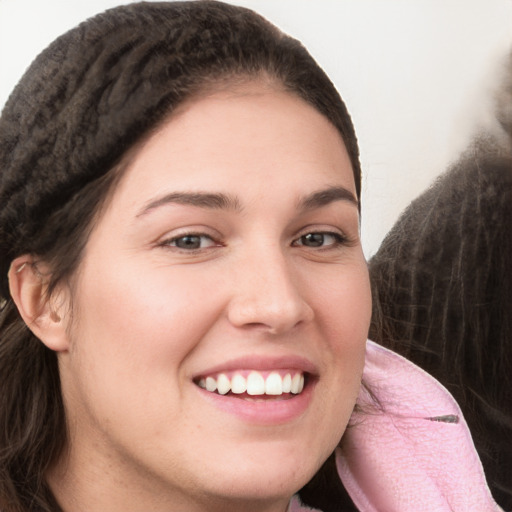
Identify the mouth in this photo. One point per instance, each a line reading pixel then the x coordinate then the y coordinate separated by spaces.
pixel 260 390
pixel 255 385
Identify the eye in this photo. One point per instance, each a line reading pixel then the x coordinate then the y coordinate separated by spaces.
pixel 320 239
pixel 190 242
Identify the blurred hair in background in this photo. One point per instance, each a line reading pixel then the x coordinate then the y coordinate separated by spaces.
pixel 442 289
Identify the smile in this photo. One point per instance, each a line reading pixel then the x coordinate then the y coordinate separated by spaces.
pixel 254 383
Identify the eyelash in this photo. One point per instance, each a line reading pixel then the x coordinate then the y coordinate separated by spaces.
pixel 338 240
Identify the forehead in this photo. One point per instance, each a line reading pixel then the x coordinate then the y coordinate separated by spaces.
pixel 240 138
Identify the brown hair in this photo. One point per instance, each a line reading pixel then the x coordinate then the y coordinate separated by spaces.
pixel 442 297
pixel 442 288
pixel 84 102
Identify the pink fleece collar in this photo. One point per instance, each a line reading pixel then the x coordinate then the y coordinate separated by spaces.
pixel 297 506
pixel 415 452
pixel 411 455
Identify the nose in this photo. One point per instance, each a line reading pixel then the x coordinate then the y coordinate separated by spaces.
pixel 266 296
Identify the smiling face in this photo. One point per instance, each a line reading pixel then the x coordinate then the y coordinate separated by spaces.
pixel 221 312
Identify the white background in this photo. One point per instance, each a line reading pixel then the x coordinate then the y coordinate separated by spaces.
pixel 417 76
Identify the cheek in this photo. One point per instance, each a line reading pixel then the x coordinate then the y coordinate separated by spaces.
pixel 133 337
pixel 152 312
pixel 347 318
pixel 343 305
pixel 130 347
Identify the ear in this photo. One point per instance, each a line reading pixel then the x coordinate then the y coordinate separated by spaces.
pixel 44 316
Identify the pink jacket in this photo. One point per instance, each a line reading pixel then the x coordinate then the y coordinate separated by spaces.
pixel 416 453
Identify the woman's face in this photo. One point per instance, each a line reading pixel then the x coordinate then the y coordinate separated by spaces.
pixel 228 257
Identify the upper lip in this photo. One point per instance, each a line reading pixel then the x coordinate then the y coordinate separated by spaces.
pixel 262 363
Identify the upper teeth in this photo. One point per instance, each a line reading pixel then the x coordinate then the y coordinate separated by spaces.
pixel 255 383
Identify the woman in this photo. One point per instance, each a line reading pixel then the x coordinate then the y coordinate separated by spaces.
pixel 186 299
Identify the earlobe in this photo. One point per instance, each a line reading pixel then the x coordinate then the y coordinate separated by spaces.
pixel 43 316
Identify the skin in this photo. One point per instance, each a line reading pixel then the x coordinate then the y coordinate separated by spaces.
pixel 149 316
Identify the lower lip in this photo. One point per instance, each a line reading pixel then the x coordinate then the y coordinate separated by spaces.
pixel 267 412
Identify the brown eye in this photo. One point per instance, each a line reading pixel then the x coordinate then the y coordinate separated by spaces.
pixel 313 239
pixel 188 242
pixel 191 242
pixel 320 239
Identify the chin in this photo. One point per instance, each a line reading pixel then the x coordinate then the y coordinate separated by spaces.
pixel 256 488
pixel 263 477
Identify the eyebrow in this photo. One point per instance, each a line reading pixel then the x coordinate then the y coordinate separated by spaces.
pixel 325 197
pixel 214 201
pixel 221 201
